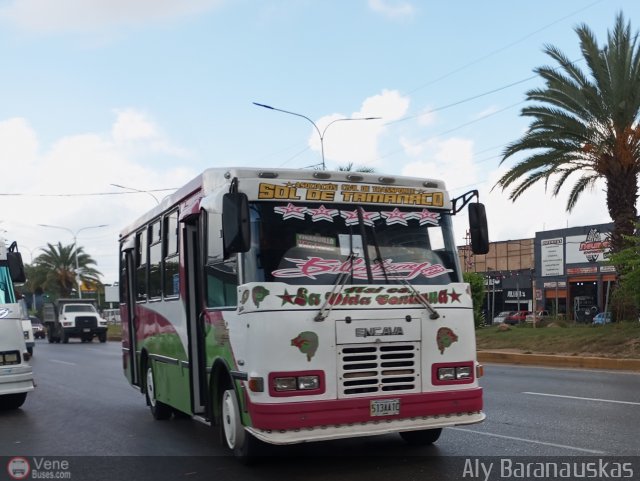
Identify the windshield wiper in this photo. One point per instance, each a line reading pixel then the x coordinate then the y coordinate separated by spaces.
pixel 433 314
pixel 378 258
pixel 341 280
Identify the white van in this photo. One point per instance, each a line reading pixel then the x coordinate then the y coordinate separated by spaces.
pixel 16 374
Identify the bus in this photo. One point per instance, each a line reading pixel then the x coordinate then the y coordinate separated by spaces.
pixel 284 306
pixel 16 373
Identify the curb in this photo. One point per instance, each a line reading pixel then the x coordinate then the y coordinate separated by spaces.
pixel 550 360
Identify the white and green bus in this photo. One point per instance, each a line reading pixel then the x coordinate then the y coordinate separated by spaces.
pixel 286 306
pixel 16 375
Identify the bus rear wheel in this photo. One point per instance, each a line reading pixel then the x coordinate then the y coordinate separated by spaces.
pixel 243 445
pixel 159 410
pixel 423 437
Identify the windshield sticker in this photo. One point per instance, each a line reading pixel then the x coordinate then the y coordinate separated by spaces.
pixel 445 337
pixel 351 217
pixel 322 213
pixel 396 216
pixel 349 244
pixel 315 242
pixel 291 211
pixel 425 217
pixel 307 342
pixel 312 267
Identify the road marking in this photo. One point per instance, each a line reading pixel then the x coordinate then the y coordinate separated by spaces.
pixel 532 441
pixel 583 398
pixel 63 362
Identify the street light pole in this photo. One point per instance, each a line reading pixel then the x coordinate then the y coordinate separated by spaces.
pixel 75 247
pixel 320 134
pixel 137 190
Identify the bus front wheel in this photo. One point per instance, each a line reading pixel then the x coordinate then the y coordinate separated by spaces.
pixel 159 410
pixel 421 438
pixel 243 445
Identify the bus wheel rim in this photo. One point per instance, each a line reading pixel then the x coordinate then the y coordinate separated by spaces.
pixel 151 391
pixel 229 419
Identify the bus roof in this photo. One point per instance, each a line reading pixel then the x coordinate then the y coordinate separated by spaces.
pixel 214 178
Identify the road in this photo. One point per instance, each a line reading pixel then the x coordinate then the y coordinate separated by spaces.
pixel 83 406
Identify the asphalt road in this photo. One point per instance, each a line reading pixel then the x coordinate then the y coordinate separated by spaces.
pixel 84 407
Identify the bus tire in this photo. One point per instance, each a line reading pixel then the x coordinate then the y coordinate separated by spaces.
pixel 244 446
pixel 12 401
pixel 159 410
pixel 423 437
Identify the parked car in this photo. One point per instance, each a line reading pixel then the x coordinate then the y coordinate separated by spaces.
pixel 38 328
pixel 499 319
pixel 602 318
pixel 540 315
pixel 517 317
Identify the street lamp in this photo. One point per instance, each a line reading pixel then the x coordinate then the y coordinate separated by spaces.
pixel 137 190
pixel 75 245
pixel 320 134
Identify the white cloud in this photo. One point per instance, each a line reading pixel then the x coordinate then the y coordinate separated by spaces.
pixel 451 156
pixel 392 8
pixel 357 141
pixel 49 16
pixel 81 163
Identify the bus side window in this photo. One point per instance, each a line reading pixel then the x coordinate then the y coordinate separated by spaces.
pixel 141 265
pixel 222 283
pixel 221 274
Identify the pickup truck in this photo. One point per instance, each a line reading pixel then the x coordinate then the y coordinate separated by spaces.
pixel 78 318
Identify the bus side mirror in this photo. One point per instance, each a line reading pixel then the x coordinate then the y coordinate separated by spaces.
pixel 478 228
pixel 16 267
pixel 236 231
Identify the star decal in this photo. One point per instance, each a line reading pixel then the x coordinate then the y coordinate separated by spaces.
pixel 396 217
pixel 291 211
pixel 287 298
pixel 351 217
pixel 425 217
pixel 454 296
pixel 322 213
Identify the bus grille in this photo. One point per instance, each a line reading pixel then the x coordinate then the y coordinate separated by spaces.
pixel 366 369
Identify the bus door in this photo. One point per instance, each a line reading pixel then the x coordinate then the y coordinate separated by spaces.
pixel 195 315
pixel 128 267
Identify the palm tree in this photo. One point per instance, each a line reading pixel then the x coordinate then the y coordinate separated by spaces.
pixel 54 270
pixel 586 124
pixel 350 167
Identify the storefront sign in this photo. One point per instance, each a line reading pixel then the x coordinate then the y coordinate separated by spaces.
pixel 552 251
pixel 581 270
pixel 594 247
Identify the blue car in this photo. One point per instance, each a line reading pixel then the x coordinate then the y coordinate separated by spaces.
pixel 602 318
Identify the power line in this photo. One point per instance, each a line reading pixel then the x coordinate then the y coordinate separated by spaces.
pixel 22 194
pixel 501 49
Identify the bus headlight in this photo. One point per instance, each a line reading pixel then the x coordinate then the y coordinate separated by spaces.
pixel 308 382
pixel 284 384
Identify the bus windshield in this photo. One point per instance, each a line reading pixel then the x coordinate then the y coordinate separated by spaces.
pixel 302 244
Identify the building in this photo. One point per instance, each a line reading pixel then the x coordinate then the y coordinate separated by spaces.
pixel 564 271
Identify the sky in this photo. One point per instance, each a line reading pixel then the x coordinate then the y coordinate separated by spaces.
pixel 147 94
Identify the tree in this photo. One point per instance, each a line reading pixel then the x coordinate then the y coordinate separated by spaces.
pixel 350 168
pixel 626 297
pixel 54 270
pixel 586 124
pixel 476 282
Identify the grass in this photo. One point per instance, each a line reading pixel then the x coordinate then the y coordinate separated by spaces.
pixel 618 340
pixel 114 331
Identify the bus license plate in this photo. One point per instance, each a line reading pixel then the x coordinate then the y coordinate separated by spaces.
pixel 86 329
pixel 385 407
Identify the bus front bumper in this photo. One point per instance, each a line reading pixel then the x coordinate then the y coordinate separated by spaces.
pixel 344 418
